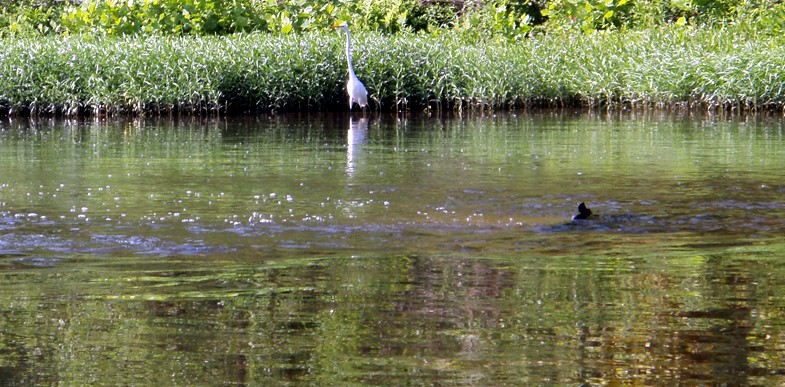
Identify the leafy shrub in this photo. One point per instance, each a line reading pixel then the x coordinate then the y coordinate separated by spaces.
pixel 588 15
pixel 716 11
pixel 433 15
pixel 175 17
pixel 388 15
pixel 511 20
pixel 202 17
pixel 30 17
pixel 773 20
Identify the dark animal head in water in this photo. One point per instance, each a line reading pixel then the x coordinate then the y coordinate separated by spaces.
pixel 583 212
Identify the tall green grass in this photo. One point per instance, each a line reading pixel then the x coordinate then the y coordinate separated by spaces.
pixel 672 66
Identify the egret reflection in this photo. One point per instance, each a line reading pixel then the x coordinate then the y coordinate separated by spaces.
pixel 355 141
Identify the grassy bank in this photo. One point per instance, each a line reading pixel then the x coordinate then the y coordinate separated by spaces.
pixel 672 66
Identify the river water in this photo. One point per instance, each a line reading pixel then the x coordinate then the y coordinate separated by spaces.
pixel 378 250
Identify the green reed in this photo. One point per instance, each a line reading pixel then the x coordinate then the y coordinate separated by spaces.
pixel 672 66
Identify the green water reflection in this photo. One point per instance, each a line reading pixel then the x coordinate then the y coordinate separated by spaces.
pixel 322 250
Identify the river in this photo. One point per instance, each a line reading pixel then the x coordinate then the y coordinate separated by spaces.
pixel 381 249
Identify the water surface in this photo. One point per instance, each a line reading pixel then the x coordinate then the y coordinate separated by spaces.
pixel 329 249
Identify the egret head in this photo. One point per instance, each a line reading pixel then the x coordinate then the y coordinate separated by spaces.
pixel 342 26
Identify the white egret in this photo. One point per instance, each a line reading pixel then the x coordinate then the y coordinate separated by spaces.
pixel 354 87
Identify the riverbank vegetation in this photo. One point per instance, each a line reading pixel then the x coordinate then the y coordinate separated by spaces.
pixel 189 56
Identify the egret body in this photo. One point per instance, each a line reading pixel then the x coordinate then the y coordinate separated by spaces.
pixel 354 87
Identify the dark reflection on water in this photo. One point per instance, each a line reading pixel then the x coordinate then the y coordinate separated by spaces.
pixel 451 319
pixel 327 249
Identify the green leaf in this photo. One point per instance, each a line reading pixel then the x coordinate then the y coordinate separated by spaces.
pixel 682 21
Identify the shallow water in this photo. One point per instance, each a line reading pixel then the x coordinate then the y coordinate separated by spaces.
pixel 324 249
